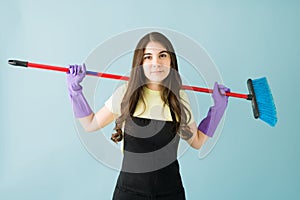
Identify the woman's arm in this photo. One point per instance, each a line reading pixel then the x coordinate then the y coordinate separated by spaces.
pixel 208 125
pixel 94 122
pixel 82 111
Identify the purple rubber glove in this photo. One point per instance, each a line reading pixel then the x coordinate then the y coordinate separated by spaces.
pixel 209 124
pixel 79 104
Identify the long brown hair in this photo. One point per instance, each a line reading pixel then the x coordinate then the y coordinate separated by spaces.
pixel 170 88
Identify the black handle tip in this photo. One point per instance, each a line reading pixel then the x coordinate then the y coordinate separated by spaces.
pixel 18 63
pixel 12 62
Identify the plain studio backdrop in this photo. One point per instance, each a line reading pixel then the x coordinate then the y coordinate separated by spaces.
pixel 41 153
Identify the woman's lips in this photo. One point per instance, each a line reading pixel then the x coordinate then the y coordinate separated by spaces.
pixel 156 72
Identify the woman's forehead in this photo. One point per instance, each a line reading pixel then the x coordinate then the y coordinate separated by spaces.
pixel 155 46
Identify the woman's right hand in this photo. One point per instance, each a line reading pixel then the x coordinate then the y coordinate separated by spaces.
pixel 75 76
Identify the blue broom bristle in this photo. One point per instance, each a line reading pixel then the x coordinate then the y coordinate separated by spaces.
pixel 265 102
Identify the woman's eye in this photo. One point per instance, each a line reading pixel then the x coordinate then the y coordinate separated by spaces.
pixel 163 55
pixel 147 57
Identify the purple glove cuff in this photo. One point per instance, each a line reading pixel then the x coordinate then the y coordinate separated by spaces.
pixel 204 124
pixel 80 106
pixel 210 123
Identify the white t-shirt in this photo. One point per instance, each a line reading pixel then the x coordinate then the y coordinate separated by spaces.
pixel 155 108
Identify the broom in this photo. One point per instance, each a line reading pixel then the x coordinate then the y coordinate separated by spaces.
pixel 259 92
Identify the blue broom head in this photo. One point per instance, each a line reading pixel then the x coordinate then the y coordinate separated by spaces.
pixel 265 102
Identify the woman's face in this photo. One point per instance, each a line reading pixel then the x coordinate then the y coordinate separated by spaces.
pixel 156 62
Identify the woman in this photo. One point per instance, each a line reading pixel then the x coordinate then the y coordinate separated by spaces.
pixel 151 113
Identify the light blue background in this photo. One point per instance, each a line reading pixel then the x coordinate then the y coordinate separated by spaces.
pixel 41 156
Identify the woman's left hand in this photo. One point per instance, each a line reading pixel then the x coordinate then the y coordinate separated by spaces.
pixel 219 95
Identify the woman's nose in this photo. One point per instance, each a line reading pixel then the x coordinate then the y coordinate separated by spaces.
pixel 155 61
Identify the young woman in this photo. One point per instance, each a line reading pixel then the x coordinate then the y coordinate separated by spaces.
pixel 151 113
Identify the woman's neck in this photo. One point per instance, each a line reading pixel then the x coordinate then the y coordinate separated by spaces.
pixel 154 86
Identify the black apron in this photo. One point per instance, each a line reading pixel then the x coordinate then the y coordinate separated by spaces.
pixel 150 168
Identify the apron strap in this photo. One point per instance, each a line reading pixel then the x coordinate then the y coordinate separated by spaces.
pixel 173 115
pixel 172 112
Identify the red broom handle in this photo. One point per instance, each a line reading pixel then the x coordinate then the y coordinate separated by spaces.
pixel 114 76
pixel 206 90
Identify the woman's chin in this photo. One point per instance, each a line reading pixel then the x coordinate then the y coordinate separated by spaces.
pixel 156 79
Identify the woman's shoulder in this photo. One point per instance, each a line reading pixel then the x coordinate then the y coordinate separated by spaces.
pixel 183 95
pixel 114 102
pixel 121 89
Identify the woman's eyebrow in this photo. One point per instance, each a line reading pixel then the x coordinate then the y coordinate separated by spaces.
pixel 163 52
